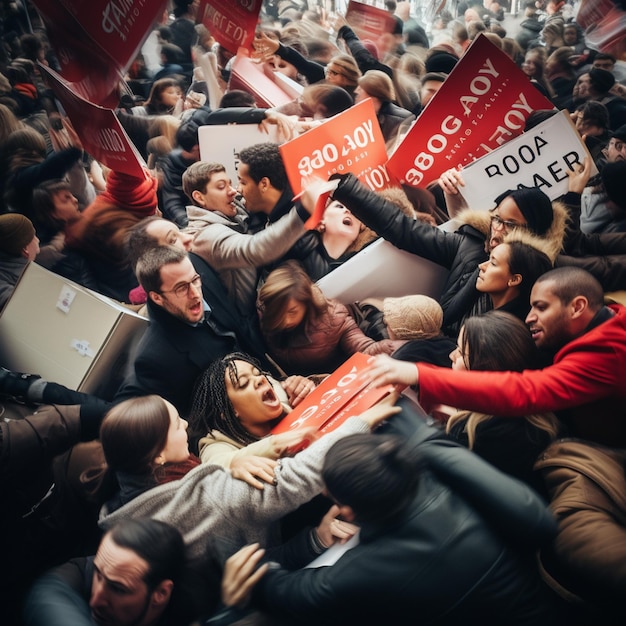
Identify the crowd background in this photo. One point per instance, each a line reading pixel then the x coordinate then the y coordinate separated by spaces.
pixel 240 333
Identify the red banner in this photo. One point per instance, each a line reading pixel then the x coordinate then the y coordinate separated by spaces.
pixel 341 395
pixel 233 24
pixel 605 24
pixel 369 22
pixel 482 104
pixel 247 75
pixel 350 141
pixel 99 129
pixel 97 41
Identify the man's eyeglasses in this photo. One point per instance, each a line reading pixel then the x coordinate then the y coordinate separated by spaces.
pixel 618 145
pixel 182 289
pixel 498 222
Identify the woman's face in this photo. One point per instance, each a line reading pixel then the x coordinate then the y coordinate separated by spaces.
pixel 495 274
pixel 252 396
pixel 294 314
pixel 177 447
pixel 171 96
pixel 459 359
pixel 339 221
pixel 279 64
pixel 529 66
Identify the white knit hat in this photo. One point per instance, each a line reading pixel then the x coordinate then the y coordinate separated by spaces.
pixel 413 317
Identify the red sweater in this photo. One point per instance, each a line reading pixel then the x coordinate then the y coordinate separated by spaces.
pixel 588 376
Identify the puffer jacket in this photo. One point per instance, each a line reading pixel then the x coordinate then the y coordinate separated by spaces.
pixel 587 488
pixel 460 251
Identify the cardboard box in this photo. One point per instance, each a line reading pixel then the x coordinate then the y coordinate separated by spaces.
pixel 67 333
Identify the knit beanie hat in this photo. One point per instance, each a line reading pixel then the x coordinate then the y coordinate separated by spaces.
pixel 601 80
pixel 347 67
pixel 377 85
pixel 16 232
pixel 413 317
pixel 535 206
pixel 441 61
pixel 613 176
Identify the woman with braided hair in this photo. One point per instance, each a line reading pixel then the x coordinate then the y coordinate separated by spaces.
pixel 234 408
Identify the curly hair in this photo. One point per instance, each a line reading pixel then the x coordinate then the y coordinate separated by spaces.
pixel 211 408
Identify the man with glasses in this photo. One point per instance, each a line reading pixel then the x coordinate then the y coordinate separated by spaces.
pixel 191 324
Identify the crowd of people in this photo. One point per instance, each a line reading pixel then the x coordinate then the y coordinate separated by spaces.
pixel 489 487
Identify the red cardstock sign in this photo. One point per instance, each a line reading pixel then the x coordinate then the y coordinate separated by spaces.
pixel 483 103
pixel 233 24
pixel 341 395
pixel 97 41
pixel 350 141
pixel 369 22
pixel 100 131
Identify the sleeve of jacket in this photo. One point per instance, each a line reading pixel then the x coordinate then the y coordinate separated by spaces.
pixel 363 57
pixel 55 166
pixel 173 199
pixel 312 71
pixel 389 222
pixel 222 453
pixel 225 248
pixel 610 269
pixel 576 379
pixel 57 598
pixel 37 439
pixel 353 339
pixel 509 505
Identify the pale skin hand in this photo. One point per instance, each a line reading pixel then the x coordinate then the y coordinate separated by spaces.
pixel 384 370
pixel 314 187
pixel 241 575
pixel 284 444
pixel 265 47
pixel 579 176
pixel 451 180
pixel 254 470
pixel 297 388
pixel 332 530
pixel 286 124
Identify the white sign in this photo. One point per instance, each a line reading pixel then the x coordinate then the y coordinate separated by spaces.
pixel 540 157
pixel 222 143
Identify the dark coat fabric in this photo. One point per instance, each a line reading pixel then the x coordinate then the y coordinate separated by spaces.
pixel 461 553
pixel 172 354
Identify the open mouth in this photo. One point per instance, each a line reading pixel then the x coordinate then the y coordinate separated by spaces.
pixel 347 221
pixel 269 398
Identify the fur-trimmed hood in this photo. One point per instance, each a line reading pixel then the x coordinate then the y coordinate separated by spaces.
pixel 550 244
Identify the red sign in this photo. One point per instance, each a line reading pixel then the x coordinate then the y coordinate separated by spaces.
pixel 604 22
pixel 369 22
pixel 350 141
pixel 97 41
pixel 341 395
pixel 247 75
pixel 482 104
pixel 233 24
pixel 99 129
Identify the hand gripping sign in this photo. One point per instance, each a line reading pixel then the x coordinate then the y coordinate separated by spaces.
pixel 483 103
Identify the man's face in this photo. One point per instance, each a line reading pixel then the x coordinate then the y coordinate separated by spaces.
pixel 119 595
pixel 548 320
pixel 181 292
pixel 249 189
pixel 429 89
pixel 166 233
pixel 219 195
pixel 604 64
pixel 570 36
